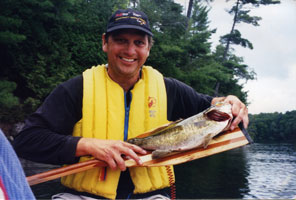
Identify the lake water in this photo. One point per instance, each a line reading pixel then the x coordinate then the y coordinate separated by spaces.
pixel 257 171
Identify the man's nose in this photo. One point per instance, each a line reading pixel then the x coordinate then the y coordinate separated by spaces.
pixel 130 48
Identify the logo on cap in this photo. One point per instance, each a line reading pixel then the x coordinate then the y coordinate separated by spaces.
pixel 121 14
pixel 137 17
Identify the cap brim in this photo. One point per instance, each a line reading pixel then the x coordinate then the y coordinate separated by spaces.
pixel 129 27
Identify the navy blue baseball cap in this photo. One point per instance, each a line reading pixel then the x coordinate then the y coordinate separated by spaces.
pixel 129 18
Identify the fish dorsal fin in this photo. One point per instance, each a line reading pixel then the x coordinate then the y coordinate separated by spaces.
pixel 176 128
pixel 159 129
pixel 217 115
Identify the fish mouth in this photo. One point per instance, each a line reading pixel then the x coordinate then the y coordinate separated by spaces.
pixel 217 115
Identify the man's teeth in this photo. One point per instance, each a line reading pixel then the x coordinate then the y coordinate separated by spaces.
pixel 127 59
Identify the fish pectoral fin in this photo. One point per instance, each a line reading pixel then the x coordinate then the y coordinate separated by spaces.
pixel 160 153
pixel 207 141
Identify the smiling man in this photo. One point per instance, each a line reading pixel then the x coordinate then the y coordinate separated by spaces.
pixel 127 52
pixel 92 115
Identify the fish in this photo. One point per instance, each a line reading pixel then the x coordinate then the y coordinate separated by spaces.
pixel 193 132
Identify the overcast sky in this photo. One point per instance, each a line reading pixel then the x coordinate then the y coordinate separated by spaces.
pixel 273 57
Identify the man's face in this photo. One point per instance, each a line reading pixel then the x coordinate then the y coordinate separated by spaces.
pixel 127 51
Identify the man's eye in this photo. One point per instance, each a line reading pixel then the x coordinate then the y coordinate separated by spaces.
pixel 120 40
pixel 139 43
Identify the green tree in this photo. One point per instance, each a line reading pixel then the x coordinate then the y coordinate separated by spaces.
pixel 7 98
pixel 9 103
pixel 168 26
pixel 201 70
pixel 55 41
pixel 275 127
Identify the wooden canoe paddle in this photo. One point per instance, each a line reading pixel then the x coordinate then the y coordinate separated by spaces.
pixel 223 142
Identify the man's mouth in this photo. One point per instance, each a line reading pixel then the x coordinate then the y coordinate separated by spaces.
pixel 127 59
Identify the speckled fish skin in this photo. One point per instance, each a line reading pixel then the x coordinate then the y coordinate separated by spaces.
pixel 193 132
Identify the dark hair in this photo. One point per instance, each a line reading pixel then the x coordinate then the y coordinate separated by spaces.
pixel 117 32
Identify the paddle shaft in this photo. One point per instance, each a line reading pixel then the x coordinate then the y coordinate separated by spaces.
pixel 64 171
pixel 76 168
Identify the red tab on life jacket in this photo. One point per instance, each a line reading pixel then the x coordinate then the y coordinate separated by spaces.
pixel 103 174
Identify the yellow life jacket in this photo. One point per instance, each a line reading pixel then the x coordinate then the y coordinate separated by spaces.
pixel 103 117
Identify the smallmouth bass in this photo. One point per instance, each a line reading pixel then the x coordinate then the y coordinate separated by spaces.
pixel 193 132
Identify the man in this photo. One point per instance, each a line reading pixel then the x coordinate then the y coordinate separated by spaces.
pixel 93 114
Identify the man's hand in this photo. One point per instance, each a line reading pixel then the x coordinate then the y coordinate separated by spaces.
pixel 110 151
pixel 239 110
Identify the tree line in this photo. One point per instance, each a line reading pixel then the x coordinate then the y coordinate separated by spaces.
pixel 273 127
pixel 45 42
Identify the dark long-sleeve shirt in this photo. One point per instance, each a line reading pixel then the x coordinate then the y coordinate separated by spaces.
pixel 47 135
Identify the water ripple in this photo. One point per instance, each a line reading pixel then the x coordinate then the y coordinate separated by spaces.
pixel 272 171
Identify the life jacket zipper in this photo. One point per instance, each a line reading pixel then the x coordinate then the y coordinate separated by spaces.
pixel 126 115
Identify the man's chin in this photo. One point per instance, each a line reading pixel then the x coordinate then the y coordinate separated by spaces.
pixel 129 70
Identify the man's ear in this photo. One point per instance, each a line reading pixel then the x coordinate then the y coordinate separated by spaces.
pixel 104 43
pixel 148 53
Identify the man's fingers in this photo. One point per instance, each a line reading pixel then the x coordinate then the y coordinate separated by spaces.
pixel 130 152
pixel 111 163
pixel 234 123
pixel 120 162
pixel 120 148
pixel 242 115
pixel 236 109
pixel 134 156
pixel 246 122
pixel 239 111
pixel 110 151
pixel 137 149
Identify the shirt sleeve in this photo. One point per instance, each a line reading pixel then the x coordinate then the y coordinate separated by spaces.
pixel 183 101
pixel 47 134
